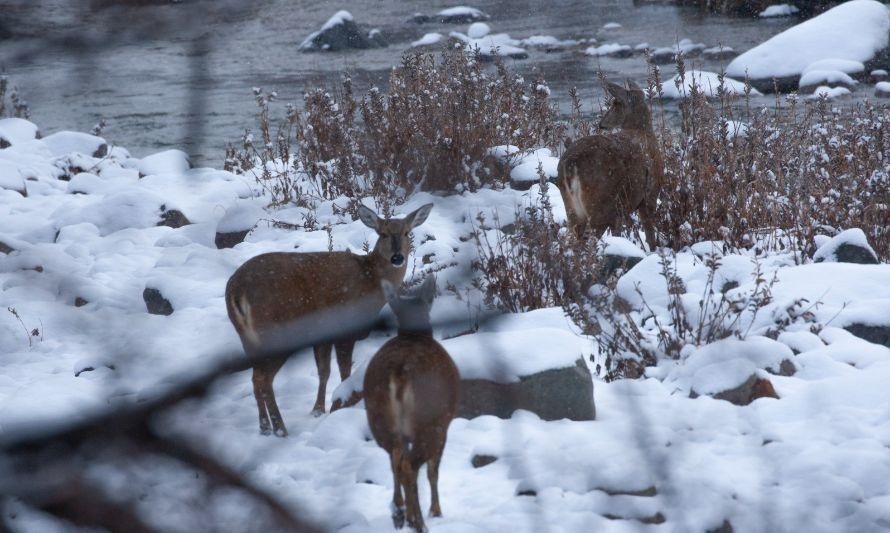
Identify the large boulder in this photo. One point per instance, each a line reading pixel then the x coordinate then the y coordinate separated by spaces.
pixel 849 246
pixel 341 32
pixel 853 31
pixel 505 370
pixel 552 395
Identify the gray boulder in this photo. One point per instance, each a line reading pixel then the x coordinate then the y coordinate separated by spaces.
pixel 850 246
pixel 552 395
pixel 341 32
pixel 871 333
pixel 155 302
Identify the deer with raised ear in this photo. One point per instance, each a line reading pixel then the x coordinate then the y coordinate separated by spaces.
pixel 603 178
pixel 411 391
pixel 275 296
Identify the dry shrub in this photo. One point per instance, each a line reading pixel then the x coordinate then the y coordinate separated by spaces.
pixel 432 131
pixel 534 263
pixel 11 104
pixel 798 170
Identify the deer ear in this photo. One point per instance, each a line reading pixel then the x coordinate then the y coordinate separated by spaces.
pixel 390 292
pixel 633 87
pixel 428 289
pixel 368 217
pixel 617 91
pixel 418 216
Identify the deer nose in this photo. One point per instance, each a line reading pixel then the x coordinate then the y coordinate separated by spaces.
pixel 397 259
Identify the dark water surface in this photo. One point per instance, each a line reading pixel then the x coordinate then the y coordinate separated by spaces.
pixel 180 75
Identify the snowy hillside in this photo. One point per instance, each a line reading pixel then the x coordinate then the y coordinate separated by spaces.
pixel 85 229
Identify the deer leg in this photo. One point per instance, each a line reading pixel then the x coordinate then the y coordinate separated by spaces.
pixel 271 420
pixel 647 216
pixel 344 358
pixel 398 503
pixel 323 365
pixel 259 391
pixel 412 501
pixel 432 473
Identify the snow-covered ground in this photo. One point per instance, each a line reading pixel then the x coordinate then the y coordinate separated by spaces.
pixel 84 250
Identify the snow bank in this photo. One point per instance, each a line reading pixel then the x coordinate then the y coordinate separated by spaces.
pixel 854 31
pixel 17 130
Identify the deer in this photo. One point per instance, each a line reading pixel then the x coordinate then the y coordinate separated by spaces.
pixel 605 177
pixel 274 296
pixel 411 390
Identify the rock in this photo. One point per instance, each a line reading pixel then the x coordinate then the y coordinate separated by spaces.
pixel 166 162
pixel 753 388
pixel 725 527
pixel 478 30
pixel 229 240
pixel 237 223
pixel 879 75
pixel 80 302
pixel 850 246
pixel 663 56
pixel 882 89
pixel 719 53
pixel 611 50
pixel 479 461
pixel 11 179
pixel 619 255
pixel 460 15
pixel 17 130
pixel 852 31
pixel 172 218
pixel 340 32
pixel 874 334
pixel 67 142
pixel 812 79
pixel 156 303
pixel 552 395
pixel 5 248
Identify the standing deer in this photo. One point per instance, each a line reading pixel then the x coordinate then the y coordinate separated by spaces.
pixel 311 291
pixel 411 387
pixel 604 178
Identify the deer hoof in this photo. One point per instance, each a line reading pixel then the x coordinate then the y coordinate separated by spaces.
pixel 317 412
pixel 398 518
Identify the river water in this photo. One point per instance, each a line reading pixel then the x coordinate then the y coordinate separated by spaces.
pixel 180 75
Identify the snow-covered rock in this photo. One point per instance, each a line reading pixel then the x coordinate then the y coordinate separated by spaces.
pixel 849 246
pixel 16 130
pixel 610 49
pixel 461 15
pixel 478 30
pixel 428 39
pixel 779 10
pixel 824 91
pixel 525 168
pixel 707 82
pixel 166 162
pixel 882 89
pixel 67 142
pixel 833 78
pixel 857 30
pixel 341 32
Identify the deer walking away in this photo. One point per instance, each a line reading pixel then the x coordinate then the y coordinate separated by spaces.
pixel 277 295
pixel 411 394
